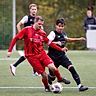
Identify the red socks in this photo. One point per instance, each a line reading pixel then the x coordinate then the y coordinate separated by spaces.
pixel 57 74
pixel 45 82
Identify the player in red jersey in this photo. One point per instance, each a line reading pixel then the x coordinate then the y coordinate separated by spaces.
pixel 34 37
pixel 27 20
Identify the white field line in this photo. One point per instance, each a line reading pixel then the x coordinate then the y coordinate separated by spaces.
pixel 39 87
pixel 2 59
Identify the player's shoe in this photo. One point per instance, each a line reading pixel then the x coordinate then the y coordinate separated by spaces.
pixel 36 74
pixel 83 88
pixel 13 69
pixel 47 89
pixel 64 80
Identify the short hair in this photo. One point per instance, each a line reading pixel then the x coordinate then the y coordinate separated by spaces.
pixel 61 20
pixel 37 18
pixel 90 8
pixel 32 5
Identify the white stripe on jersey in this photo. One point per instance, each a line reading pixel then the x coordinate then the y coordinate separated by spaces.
pixel 51 36
pixel 24 19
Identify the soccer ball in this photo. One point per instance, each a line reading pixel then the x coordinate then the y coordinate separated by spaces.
pixel 56 87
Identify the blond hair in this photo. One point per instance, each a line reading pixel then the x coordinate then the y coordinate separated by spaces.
pixel 32 5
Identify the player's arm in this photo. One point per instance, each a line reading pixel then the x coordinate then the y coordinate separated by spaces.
pixel 20 35
pixel 75 39
pixel 51 44
pixel 19 26
pixel 21 23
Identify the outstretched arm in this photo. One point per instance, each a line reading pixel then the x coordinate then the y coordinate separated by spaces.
pixel 75 39
pixel 13 42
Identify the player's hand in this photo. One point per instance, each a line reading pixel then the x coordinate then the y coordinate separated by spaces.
pixel 65 49
pixel 9 54
pixel 82 39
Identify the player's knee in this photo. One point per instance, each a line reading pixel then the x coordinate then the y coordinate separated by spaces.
pixel 73 71
pixel 70 66
pixel 52 67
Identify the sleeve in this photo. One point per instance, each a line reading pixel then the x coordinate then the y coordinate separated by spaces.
pixel 17 37
pixel 65 35
pixel 51 36
pixel 49 43
pixel 24 19
pixel 53 45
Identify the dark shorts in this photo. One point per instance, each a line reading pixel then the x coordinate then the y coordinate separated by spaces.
pixel 62 60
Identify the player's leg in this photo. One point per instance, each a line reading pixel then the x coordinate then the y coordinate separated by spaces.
pixel 35 63
pixel 77 78
pixel 65 62
pixel 56 73
pixel 51 76
pixel 35 73
pixel 13 66
pixel 47 61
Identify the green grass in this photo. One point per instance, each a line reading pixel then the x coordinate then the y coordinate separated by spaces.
pixel 84 62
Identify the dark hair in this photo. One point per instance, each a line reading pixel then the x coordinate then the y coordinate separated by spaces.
pixel 90 8
pixel 37 18
pixel 61 20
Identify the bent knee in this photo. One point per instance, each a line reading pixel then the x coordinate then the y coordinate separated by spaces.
pixel 70 66
pixel 52 67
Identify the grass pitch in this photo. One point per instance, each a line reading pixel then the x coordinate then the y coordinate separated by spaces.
pixel 25 84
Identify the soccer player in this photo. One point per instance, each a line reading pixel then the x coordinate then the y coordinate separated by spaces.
pixel 34 37
pixel 27 20
pixel 59 37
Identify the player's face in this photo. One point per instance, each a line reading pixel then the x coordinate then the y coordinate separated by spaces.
pixel 39 24
pixel 33 11
pixel 89 13
pixel 59 28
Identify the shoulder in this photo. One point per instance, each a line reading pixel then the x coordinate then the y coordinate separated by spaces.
pixel 27 28
pixel 52 34
pixel 24 19
pixel 42 31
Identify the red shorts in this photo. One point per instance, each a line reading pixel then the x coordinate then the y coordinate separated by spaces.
pixel 39 62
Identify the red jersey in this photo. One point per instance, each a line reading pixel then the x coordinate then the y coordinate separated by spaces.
pixel 33 41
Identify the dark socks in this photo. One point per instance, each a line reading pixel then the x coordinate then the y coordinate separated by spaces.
pixel 75 75
pixel 21 59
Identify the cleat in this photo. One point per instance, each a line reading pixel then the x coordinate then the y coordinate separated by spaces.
pixel 13 69
pixel 47 89
pixel 64 80
pixel 83 88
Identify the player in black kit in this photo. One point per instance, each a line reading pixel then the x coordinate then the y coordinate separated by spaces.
pixel 59 37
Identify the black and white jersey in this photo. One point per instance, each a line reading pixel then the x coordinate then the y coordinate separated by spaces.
pixel 55 37
pixel 27 20
pixel 30 21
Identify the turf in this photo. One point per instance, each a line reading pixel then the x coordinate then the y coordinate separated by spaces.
pixel 25 84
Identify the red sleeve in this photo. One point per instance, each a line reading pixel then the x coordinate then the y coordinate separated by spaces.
pixel 55 46
pixel 20 35
pixel 12 44
pixel 47 41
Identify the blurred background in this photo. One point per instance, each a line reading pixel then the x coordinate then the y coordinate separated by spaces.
pixel 74 12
